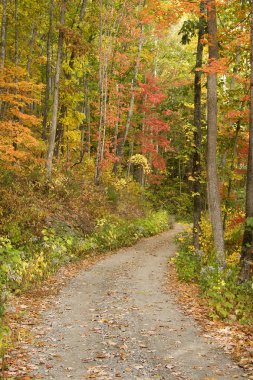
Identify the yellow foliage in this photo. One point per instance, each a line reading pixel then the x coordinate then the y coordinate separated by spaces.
pixel 34 269
pixel 139 159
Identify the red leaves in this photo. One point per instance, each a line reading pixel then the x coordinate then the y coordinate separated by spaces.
pixel 235 115
pixel 216 66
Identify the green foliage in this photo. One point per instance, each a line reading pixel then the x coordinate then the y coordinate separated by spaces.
pixel 170 197
pixel 19 269
pixel 10 264
pixel 188 265
pixel 188 30
pixel 249 222
pixel 114 233
pixel 227 299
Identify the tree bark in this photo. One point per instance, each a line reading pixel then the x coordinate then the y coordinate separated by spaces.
pixel 29 58
pixel 120 148
pixel 116 129
pixel 48 72
pixel 214 201
pixel 247 245
pixel 3 33
pixel 68 76
pixel 50 155
pixel 16 33
pixel 101 98
pixel 82 10
pixel 196 166
pixel 85 127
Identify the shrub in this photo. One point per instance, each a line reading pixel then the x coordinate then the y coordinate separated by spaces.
pixel 114 233
pixel 19 268
pixel 227 298
pixel 188 265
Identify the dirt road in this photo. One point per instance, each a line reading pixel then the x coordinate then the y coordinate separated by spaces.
pixel 116 321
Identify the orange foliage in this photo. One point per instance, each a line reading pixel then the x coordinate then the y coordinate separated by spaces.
pixel 17 141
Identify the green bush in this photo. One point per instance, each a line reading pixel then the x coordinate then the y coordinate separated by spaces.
pixel 170 197
pixel 227 299
pixel 112 234
pixel 188 265
pixel 10 269
pixel 19 268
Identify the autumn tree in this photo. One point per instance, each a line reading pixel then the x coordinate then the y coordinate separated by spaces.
pixel 214 202
pixel 247 245
pixel 50 154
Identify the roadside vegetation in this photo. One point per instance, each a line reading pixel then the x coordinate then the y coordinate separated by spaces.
pixel 117 117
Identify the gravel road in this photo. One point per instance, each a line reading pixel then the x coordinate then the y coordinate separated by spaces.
pixel 117 321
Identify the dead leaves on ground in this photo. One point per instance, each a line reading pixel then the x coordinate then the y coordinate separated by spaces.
pixel 236 339
pixel 23 313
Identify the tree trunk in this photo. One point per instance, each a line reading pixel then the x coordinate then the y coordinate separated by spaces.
pixel 29 58
pixel 48 72
pixel 121 145
pixel 214 202
pixel 196 166
pixel 3 36
pixel 68 76
pixel 49 163
pixel 234 152
pixel 116 129
pixel 85 127
pixel 16 33
pixel 82 10
pixel 247 245
pixel 101 98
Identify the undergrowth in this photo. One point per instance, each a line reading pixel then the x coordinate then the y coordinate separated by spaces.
pixel 64 223
pixel 46 225
pixel 227 298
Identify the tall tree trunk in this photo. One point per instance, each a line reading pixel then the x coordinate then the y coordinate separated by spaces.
pixel 247 245
pixel 101 97
pixel 3 33
pixel 50 155
pixel 234 152
pixel 16 33
pixel 196 166
pixel 31 50
pixel 85 127
pixel 116 129
pixel 122 143
pixel 105 107
pixel 48 72
pixel 214 202
pixel 82 10
pixel 68 76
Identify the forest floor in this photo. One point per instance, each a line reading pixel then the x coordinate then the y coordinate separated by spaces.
pixel 117 318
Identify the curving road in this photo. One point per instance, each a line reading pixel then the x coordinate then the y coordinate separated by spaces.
pixel 116 321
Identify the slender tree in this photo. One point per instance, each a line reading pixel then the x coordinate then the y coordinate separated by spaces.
pixel 16 32
pixel 3 33
pixel 121 145
pixel 68 74
pixel 196 166
pixel 214 202
pixel 101 96
pixel 50 154
pixel 247 245
pixel 48 72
